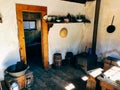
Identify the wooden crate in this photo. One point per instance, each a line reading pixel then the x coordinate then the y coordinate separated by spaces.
pixel 22 80
pixel 109 62
pixel 81 62
pixel 107 66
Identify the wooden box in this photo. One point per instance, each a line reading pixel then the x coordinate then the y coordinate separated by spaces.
pixel 23 81
pixel 81 62
pixel 107 66
pixel 109 62
pixel 85 61
pixel 107 84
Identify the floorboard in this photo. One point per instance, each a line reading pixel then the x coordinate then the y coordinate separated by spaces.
pixel 52 79
pixel 56 79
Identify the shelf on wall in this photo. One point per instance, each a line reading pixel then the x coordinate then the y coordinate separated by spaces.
pixel 85 21
pixel 50 24
pixel 51 19
pixel 67 19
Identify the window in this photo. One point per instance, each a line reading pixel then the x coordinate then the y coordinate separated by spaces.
pixel 29 25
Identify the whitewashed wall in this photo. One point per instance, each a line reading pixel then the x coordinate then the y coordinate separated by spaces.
pixel 72 42
pixel 81 34
pixel 108 44
pixel 9 51
pixel 9 45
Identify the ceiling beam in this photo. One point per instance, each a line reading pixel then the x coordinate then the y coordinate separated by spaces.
pixel 78 1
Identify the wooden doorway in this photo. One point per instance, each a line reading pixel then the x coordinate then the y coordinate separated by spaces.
pixel 20 8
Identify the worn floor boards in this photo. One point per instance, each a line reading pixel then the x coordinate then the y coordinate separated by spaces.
pixel 52 79
pixel 56 79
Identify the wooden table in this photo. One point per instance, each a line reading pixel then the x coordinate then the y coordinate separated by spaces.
pixel 107 84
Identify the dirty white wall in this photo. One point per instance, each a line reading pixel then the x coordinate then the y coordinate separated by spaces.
pixel 108 44
pixel 79 34
pixel 9 45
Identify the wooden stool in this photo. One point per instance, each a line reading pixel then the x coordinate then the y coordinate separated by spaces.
pixel 24 81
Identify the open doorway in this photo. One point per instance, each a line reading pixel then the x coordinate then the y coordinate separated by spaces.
pixel 32 33
pixel 41 10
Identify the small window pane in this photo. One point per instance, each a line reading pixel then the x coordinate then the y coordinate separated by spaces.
pixel 29 25
pixel 32 25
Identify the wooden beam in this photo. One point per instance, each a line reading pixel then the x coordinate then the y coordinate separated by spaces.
pixel 78 1
pixel 96 19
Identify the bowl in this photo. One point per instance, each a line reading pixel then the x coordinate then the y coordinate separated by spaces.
pixel 79 20
pixel 58 20
pixel 11 70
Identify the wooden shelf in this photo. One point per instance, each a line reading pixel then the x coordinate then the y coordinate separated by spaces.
pixel 85 21
pixel 52 19
pixel 50 23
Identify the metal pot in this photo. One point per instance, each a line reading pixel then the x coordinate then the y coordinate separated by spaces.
pixel 111 28
pixel 11 70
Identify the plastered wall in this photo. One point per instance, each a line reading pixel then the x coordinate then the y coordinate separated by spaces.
pixel 79 35
pixel 108 44
pixel 9 51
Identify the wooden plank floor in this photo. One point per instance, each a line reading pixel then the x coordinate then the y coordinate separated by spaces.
pixel 56 79
pixel 52 79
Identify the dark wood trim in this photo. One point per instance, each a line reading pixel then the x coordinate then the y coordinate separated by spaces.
pixel 96 19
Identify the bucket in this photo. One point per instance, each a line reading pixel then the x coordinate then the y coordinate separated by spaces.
pixel 69 57
pixel 57 59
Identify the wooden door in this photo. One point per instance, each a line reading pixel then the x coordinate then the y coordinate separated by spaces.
pixel 20 8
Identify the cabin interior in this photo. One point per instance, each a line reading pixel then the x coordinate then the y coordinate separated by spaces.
pixel 53 37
